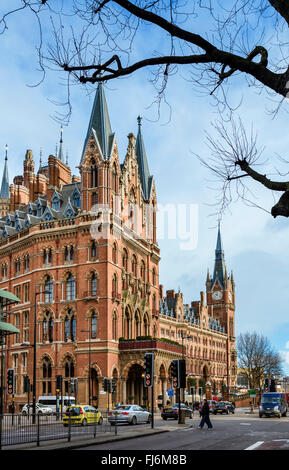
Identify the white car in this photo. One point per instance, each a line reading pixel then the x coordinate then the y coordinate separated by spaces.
pixel 40 409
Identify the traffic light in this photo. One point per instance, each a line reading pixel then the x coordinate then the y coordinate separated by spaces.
pixel 26 384
pixel 182 373
pixel 272 386
pixel 113 385
pixel 175 373
pixel 149 369
pixel 200 391
pixel 109 385
pixel 59 382
pixel 192 391
pixel 10 381
pixel 266 384
pixel 104 384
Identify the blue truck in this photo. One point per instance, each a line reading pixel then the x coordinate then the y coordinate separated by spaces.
pixel 273 404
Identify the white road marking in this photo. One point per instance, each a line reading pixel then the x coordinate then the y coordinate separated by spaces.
pixel 257 444
pixel 245 424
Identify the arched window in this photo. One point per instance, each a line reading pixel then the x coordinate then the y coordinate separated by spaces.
pixel 94 174
pixel 93 250
pixel 68 374
pixel 154 276
pixel 114 326
pixel 47 328
pixel 134 266
pixel 114 179
pixel 93 284
pixel 69 326
pixel 114 253
pixel 93 325
pixel 146 326
pixel 114 286
pixel 46 377
pixel 48 287
pixel 70 287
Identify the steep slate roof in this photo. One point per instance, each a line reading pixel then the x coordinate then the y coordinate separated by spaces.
pixel 22 219
pixel 99 125
pixel 145 177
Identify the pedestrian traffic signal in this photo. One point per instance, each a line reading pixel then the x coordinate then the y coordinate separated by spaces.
pixel 113 385
pixel 59 382
pixel 26 384
pixel 182 374
pixel 104 384
pixel 10 381
pixel 149 369
pixel 175 373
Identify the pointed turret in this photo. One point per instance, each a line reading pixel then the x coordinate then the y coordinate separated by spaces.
pixel 60 154
pixel 4 194
pixel 146 179
pixel 99 125
pixel 220 267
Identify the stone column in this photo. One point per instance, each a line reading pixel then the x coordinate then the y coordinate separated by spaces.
pixel 123 400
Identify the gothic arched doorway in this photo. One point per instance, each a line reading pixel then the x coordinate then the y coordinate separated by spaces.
pixel 135 391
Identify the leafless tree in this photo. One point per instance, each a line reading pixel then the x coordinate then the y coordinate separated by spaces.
pixel 257 358
pixel 210 43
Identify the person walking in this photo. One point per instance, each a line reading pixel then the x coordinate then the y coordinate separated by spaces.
pixel 205 413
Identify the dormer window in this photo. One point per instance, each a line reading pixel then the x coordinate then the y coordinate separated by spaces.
pixel 56 202
pixel 76 198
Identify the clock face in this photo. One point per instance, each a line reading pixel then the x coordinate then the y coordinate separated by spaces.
pixel 217 295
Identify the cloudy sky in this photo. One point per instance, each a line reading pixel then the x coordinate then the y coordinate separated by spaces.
pixel 256 246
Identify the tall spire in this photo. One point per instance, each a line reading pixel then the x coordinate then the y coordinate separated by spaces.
pixel 220 267
pixel 146 179
pixel 4 194
pixel 100 126
pixel 60 154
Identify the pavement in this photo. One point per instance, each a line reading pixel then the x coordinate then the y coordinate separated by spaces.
pixel 87 440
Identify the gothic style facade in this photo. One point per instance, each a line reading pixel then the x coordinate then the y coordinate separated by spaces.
pixel 82 250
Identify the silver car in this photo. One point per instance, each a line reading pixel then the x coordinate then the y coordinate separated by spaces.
pixel 40 409
pixel 131 414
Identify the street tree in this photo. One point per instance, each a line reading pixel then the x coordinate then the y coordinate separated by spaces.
pixel 257 358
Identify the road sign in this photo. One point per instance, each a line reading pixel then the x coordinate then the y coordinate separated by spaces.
pixel 170 392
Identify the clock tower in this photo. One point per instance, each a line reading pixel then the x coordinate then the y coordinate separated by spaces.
pixel 220 289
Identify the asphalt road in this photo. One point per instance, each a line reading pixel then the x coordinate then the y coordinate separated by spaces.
pixel 232 432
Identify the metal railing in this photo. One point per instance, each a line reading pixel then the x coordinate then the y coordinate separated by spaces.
pixel 19 429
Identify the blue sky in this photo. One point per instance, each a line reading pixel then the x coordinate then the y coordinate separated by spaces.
pixel 256 246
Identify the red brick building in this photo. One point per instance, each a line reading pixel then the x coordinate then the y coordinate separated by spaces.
pixel 89 242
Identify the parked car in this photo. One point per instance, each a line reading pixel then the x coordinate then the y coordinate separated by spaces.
pixel 130 414
pixel 224 407
pixel 173 411
pixel 273 404
pixel 40 409
pixel 82 414
pixel 212 404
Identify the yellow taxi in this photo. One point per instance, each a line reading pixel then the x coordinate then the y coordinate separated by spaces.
pixel 82 414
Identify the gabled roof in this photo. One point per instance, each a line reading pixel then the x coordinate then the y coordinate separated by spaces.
pixel 99 126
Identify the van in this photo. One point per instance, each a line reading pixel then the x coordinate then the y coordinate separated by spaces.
pixel 50 400
pixel 273 404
